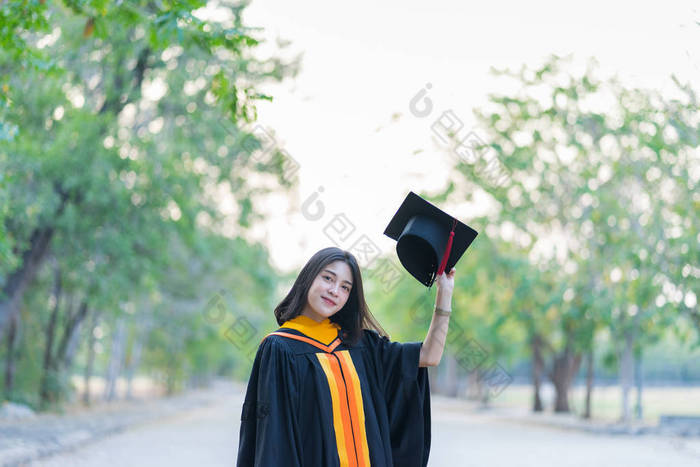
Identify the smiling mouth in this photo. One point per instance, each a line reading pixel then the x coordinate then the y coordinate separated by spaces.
pixel 330 302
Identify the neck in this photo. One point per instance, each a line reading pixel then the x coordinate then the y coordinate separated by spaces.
pixel 314 316
pixel 323 331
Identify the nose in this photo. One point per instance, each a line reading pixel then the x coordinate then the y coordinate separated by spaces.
pixel 333 289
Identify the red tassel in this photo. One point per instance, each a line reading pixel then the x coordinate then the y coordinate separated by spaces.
pixel 446 255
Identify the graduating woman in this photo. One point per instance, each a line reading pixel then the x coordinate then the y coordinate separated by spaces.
pixel 328 388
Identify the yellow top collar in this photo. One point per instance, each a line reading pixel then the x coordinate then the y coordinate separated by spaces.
pixel 324 332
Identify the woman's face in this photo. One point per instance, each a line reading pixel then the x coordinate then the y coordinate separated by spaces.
pixel 329 291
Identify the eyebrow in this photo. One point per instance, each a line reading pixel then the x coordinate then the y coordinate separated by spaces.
pixel 328 270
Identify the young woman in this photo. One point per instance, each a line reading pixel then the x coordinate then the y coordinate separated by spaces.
pixel 328 388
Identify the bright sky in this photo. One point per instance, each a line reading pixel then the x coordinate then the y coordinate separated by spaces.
pixel 364 61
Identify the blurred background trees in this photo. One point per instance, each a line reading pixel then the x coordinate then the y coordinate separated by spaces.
pixel 130 176
pixel 594 203
pixel 124 168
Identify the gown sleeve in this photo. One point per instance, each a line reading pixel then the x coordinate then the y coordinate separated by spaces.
pixel 270 434
pixel 407 393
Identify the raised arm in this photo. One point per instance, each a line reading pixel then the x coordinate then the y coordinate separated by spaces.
pixel 434 343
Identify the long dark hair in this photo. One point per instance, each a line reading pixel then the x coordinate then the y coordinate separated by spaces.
pixel 353 317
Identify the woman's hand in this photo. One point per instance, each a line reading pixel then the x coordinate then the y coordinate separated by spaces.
pixel 446 282
pixel 445 285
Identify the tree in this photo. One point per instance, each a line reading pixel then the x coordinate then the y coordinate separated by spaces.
pixel 132 136
pixel 582 161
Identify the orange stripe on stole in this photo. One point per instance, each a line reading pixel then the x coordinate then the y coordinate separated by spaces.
pixel 348 409
pixel 356 407
pixel 346 452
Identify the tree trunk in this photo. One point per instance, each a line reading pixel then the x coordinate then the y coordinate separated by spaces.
pixel 433 378
pixel 473 385
pixel 32 259
pixel 171 374
pixel 537 372
pixel 132 366
pixel 116 356
pixel 481 384
pixel 69 340
pixel 17 281
pixel 47 385
pixel 10 358
pixel 626 375
pixel 89 366
pixel 451 375
pixel 72 348
pixel 638 381
pixel 564 369
pixel 589 383
pixel 135 358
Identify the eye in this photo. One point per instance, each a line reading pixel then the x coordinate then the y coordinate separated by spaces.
pixel 346 288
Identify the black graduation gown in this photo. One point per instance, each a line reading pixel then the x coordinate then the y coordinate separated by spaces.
pixel 316 405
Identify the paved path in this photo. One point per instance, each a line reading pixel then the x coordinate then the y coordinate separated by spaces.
pixel 47 434
pixel 208 436
pixel 473 439
pixel 205 436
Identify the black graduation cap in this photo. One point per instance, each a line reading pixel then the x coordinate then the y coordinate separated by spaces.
pixel 428 240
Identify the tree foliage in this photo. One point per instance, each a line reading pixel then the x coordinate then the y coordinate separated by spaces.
pixel 598 214
pixel 128 168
